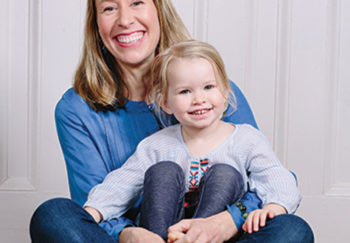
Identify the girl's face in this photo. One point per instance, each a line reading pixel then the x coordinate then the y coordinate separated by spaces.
pixel 194 96
pixel 129 29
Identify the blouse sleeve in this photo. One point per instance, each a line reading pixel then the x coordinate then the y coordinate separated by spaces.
pixel 84 162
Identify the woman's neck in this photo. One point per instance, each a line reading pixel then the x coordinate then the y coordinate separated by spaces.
pixel 135 78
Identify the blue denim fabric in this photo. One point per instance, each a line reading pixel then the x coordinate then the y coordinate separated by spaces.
pixel 62 220
pixel 164 191
pixel 284 228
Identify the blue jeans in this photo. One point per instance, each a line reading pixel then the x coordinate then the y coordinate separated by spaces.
pixel 164 194
pixel 284 228
pixel 62 220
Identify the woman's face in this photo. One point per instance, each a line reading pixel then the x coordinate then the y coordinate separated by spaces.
pixel 129 29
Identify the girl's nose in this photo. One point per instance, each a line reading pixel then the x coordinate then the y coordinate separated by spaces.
pixel 199 98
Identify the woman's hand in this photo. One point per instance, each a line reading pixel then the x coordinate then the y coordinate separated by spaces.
pixel 215 229
pixel 257 218
pixel 139 235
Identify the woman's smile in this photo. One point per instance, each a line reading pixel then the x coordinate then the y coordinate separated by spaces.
pixel 133 37
pixel 130 31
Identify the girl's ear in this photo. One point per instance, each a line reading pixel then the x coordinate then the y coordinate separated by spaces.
pixel 165 107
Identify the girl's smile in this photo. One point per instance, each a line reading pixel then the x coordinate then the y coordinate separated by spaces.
pixel 195 95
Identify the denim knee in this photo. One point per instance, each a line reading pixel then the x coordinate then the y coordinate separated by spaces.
pixel 162 204
pixel 228 174
pixel 54 218
pixel 165 169
pixel 292 229
pixel 48 211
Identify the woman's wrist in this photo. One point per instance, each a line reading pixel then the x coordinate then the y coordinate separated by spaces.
pixel 227 225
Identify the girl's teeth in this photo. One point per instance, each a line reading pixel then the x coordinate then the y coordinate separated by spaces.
pixel 130 38
pixel 200 112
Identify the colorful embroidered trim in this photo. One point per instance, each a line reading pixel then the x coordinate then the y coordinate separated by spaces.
pixel 242 208
pixel 197 170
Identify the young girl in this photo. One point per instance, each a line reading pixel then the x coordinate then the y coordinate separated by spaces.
pixel 195 168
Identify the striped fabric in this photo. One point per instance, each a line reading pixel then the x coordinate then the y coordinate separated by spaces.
pixel 246 149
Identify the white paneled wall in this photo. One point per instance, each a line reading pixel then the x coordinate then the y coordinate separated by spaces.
pixel 290 57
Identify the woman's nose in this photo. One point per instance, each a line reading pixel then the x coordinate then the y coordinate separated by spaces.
pixel 125 18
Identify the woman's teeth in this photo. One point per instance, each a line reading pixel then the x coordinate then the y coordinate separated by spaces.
pixel 126 39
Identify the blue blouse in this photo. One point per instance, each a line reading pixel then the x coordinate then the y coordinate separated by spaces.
pixel 95 143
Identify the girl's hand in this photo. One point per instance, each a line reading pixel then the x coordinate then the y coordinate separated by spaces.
pixel 94 213
pixel 174 236
pixel 257 218
pixel 138 235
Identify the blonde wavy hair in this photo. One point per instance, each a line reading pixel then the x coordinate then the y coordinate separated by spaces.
pixel 187 49
pixel 98 79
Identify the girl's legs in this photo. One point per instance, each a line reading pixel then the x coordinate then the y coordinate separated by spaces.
pixel 221 185
pixel 163 197
pixel 285 228
pixel 62 220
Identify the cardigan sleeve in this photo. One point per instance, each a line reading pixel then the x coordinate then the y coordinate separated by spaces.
pixel 272 182
pixel 122 187
pixel 242 114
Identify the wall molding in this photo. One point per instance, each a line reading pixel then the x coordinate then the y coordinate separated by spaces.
pixel 4 77
pixel 200 20
pixel 22 96
pixel 332 185
pixel 282 79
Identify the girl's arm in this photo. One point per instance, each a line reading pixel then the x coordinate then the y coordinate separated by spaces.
pixel 272 182
pixel 243 114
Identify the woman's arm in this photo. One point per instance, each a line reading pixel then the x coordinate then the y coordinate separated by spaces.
pixel 243 113
pixel 86 166
pixel 239 212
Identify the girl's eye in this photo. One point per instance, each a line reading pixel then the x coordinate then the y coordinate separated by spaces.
pixel 185 91
pixel 209 86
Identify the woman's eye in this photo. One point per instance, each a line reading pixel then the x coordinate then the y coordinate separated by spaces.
pixel 108 9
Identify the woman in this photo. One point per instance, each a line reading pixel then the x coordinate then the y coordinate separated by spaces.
pixel 102 120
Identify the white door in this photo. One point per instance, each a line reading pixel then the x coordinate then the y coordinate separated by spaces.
pixel 290 57
pixel 40 43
